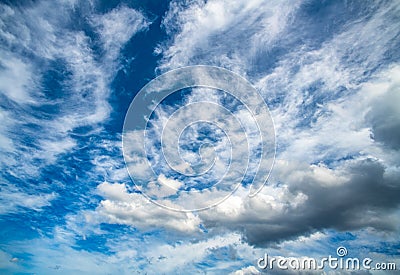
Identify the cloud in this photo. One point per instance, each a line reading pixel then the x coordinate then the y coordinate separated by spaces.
pixel 117 27
pixel 134 209
pixel 52 81
pixel 6 143
pixel 383 114
pixel 246 271
pixel 336 163
pixel 45 259
pixel 14 68
pixel 14 201
pixel 348 194
pixel 211 32
pixel 330 79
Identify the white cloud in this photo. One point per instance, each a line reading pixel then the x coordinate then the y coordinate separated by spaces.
pixel 164 186
pixel 339 63
pixel 174 184
pixel 212 32
pixel 40 119
pixel 13 201
pixel 6 143
pixel 134 209
pixel 117 27
pixel 246 271
pixel 182 257
pixel 12 68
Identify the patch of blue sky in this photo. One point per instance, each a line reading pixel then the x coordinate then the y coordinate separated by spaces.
pixel 385 248
pixel 224 260
pixel 339 237
pixel 14 227
pixel 138 62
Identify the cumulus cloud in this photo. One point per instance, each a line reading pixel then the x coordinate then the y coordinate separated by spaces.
pixel 134 209
pixel 383 115
pixel 366 199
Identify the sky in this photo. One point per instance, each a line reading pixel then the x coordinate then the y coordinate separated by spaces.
pixel 328 72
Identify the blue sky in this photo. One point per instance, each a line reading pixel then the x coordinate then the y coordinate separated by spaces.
pixel 329 72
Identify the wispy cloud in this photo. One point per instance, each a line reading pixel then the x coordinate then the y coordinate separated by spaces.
pixel 41 112
pixel 117 27
pixel 212 32
pixel 14 201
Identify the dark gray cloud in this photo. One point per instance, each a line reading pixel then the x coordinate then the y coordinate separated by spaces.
pixel 385 118
pixel 366 199
pixel 366 193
